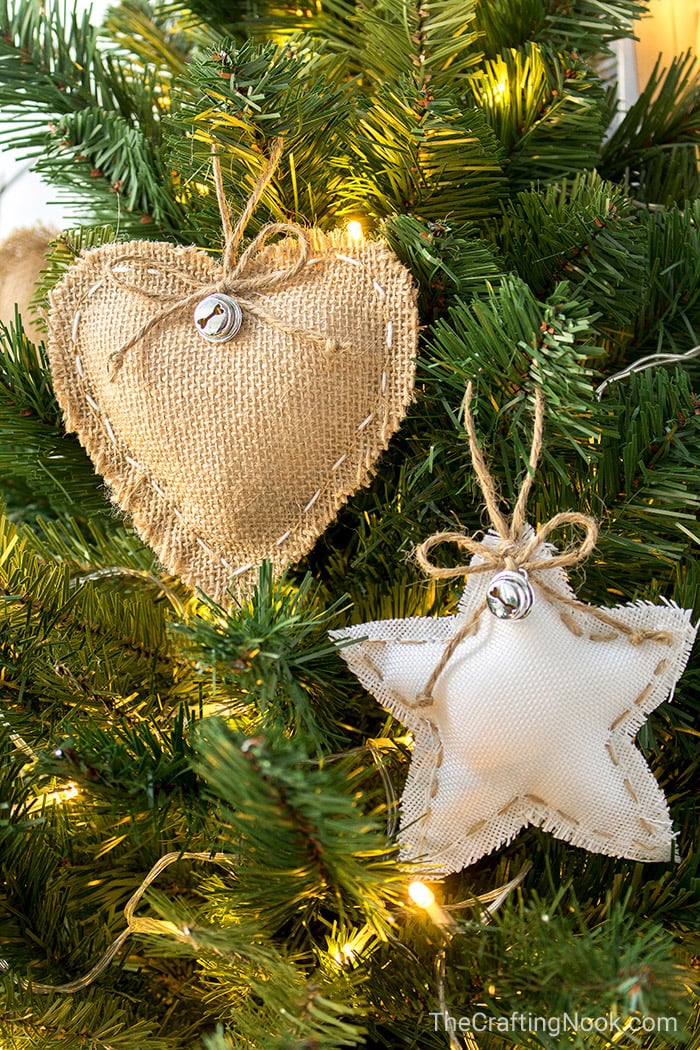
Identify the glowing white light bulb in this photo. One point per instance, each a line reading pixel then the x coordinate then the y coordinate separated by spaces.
pixel 421 895
pixel 424 897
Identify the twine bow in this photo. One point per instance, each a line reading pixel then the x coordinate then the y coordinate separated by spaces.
pixel 238 279
pixel 516 548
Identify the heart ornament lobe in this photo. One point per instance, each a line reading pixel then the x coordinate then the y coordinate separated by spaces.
pixel 227 453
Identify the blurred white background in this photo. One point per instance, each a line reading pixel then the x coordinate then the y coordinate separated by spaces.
pixel 674 26
pixel 24 198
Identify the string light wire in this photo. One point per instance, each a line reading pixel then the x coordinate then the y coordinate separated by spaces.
pixel 646 362
pixel 135 924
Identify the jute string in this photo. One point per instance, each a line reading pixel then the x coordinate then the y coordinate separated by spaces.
pixel 247 288
pixel 515 552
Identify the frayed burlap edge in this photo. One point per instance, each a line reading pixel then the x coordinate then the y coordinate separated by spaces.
pixel 156 519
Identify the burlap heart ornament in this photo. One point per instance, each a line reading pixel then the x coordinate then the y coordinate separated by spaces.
pixel 225 454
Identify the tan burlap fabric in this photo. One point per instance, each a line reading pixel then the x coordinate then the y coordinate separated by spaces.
pixel 22 258
pixel 226 454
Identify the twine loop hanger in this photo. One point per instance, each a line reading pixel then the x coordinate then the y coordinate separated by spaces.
pixel 240 278
pixel 517 546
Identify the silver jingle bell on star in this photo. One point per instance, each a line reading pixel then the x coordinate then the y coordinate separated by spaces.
pixel 218 317
pixel 510 595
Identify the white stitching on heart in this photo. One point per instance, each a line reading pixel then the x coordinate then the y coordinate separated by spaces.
pixel 156 487
pixel 96 286
pixel 243 568
pixel 74 329
pixel 108 428
pixel 311 502
pixel 348 259
pixel 207 550
pixel 124 268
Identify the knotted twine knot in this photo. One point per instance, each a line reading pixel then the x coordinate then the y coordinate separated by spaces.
pixel 509 552
pixel 239 278
pixel 516 546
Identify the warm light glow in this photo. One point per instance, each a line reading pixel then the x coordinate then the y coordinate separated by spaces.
pixel 621 1031
pixel 424 897
pixel 421 895
pixel 345 947
pixel 355 230
pixel 344 954
pixel 64 794
pixel 500 88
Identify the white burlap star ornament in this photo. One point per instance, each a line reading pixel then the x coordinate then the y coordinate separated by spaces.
pixel 526 716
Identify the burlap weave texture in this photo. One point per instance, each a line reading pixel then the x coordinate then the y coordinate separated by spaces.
pixel 22 258
pixel 226 454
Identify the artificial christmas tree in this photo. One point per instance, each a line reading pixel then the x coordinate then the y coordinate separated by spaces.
pixel 199 801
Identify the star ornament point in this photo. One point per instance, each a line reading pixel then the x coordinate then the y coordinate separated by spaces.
pixel 531 722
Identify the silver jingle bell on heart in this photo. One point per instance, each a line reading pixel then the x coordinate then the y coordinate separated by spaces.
pixel 510 595
pixel 218 317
